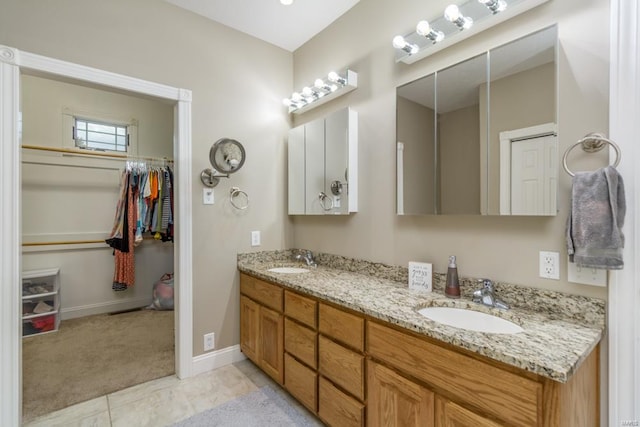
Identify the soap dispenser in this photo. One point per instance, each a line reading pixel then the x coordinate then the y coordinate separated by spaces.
pixel 452 290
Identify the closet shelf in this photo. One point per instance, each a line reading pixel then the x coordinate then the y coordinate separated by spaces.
pixel 100 154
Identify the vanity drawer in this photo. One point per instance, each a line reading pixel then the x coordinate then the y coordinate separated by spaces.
pixel 300 342
pixel 344 327
pixel 302 309
pixel 342 366
pixel 262 292
pixel 505 395
pixel 301 382
pixel 336 408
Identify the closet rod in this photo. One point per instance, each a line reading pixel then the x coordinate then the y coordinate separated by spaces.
pixel 74 242
pixel 95 153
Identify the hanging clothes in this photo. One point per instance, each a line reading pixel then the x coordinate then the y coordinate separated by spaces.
pixel 125 266
pixel 145 205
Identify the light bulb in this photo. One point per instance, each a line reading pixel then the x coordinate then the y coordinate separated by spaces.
pixel 306 91
pixel 494 6
pixel 335 78
pixel 287 102
pixel 424 29
pixel 296 97
pixel 333 88
pixel 452 13
pixel 319 84
pixel 400 43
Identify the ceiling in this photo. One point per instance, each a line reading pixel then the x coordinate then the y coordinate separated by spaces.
pixel 288 27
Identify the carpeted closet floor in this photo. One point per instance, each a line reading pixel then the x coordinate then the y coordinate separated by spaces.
pixel 92 356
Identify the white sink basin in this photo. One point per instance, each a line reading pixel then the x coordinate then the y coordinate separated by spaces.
pixel 288 270
pixel 471 320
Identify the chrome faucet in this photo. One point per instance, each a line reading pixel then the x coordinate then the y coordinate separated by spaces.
pixel 486 295
pixel 306 256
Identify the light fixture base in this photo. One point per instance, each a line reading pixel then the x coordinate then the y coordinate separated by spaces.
pixel 350 84
pixel 482 17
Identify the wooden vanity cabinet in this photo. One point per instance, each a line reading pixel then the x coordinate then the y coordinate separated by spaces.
pixel 261 325
pixel 341 365
pixel 301 349
pixel 352 371
pixel 470 391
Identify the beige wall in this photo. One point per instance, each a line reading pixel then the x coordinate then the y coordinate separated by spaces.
pixel 416 132
pixel 70 203
pixel 503 249
pixel 238 84
pixel 459 151
pixel 533 105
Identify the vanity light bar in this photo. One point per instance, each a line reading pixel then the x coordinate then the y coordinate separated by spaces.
pixel 323 90
pixel 458 22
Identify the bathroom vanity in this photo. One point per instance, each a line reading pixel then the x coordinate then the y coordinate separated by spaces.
pixel 352 348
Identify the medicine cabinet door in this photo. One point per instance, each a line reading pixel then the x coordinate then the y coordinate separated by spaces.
pixel 314 167
pixel 296 171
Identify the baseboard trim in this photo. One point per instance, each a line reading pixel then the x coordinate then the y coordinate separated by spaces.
pixel 217 359
pixel 103 307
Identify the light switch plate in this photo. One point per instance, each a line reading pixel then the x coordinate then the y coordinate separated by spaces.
pixel 255 238
pixel 587 275
pixel 207 196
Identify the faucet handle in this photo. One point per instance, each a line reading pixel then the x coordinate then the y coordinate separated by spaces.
pixel 486 284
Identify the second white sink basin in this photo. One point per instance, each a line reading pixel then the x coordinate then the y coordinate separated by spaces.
pixel 470 320
pixel 288 270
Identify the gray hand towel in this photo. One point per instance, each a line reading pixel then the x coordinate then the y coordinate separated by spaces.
pixel 596 217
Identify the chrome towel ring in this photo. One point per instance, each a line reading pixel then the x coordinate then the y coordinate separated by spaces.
pixel 234 193
pixel 591 143
pixel 322 196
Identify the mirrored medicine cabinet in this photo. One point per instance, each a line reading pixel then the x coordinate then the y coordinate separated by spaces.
pixel 323 165
pixel 479 137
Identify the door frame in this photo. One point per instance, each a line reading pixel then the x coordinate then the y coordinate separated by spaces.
pixel 13 62
pixel 624 285
pixel 506 139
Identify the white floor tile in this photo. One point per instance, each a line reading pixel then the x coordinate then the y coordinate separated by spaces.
pixel 93 412
pixel 165 401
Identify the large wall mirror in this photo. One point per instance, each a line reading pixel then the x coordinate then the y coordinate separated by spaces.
pixel 479 137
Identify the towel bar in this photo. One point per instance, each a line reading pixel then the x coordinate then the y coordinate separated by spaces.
pixel 591 143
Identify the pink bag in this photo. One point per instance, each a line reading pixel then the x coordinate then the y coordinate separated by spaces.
pixel 163 293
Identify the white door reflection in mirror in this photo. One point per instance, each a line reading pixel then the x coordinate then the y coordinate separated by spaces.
pixel 529 171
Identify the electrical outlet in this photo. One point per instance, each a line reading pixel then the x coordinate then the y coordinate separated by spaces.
pixel 209 341
pixel 255 238
pixel 550 265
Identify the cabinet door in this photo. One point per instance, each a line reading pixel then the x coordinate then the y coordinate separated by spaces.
pixel 337 158
pixel 271 347
pixel 296 171
pixel 449 414
pixel 249 328
pixel 314 166
pixel 396 401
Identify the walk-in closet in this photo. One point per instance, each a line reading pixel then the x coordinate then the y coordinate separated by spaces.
pixel 97 241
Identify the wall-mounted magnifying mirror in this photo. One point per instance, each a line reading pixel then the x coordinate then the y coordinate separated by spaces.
pixel 226 156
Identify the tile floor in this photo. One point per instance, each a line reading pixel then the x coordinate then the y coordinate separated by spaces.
pixel 165 401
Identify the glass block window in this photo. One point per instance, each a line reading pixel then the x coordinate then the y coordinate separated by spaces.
pixel 100 136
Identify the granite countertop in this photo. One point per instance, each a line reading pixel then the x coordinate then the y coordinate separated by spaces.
pixel 560 330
